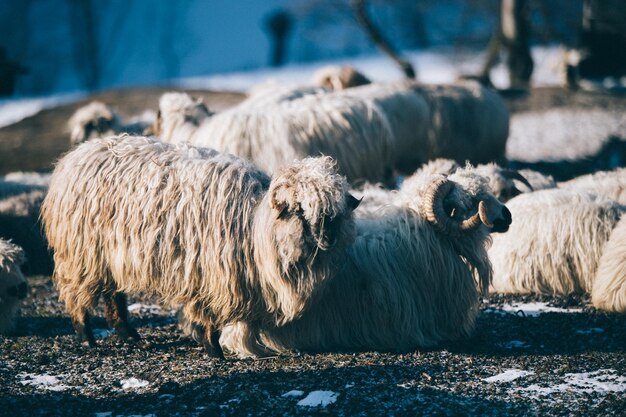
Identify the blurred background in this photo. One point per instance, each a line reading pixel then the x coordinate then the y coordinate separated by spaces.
pixel 51 46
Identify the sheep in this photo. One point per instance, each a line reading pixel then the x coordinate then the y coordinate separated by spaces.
pixel 556 243
pixel 97 119
pixel 192 226
pixel 178 117
pixel 13 287
pixel 609 288
pixel 20 203
pixel 412 278
pixel 339 78
pixel 611 184
pixel 272 133
pixel 468 122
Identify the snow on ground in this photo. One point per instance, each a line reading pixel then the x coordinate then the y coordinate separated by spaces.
pixel 145 308
pixel 531 309
pixel 45 382
pixel 293 393
pixel 133 383
pixel 14 110
pixel 318 399
pixel 602 381
pixel 508 375
pixel 534 134
pixel 437 65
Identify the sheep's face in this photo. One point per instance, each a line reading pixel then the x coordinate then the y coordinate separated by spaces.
pixel 472 196
pixel 312 209
pixel 92 120
pixel 176 109
pixel 503 182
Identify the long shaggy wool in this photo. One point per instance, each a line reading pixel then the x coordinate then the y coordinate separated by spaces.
pixel 554 244
pixel 12 284
pixel 409 118
pixel 20 204
pixel 404 285
pixel 610 184
pixel 272 133
pixel 195 227
pixel 609 289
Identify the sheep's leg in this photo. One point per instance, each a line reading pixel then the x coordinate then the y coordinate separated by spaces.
pixel 211 342
pixel 116 313
pixel 82 325
pixel 196 324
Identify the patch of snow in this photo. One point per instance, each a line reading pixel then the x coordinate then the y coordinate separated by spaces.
pixel 601 381
pixel 293 393
pixel 318 399
pixel 508 375
pixel 45 381
pixel 515 344
pixel 102 333
pixel 104 414
pixel 531 309
pixel 145 308
pixel 29 178
pixel 12 110
pixel 133 383
pixel 350 385
pixel 593 330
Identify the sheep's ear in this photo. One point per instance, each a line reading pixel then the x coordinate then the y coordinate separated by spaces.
pixel 283 200
pixel 353 202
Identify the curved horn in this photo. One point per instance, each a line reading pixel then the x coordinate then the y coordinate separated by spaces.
pixel 514 175
pixel 434 210
pixel 484 217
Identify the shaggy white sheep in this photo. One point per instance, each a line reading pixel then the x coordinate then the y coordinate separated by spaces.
pixel 610 184
pixel 272 133
pixel 178 117
pixel 195 227
pixel 609 288
pixel 97 119
pixel 555 244
pixel 409 279
pixel 13 287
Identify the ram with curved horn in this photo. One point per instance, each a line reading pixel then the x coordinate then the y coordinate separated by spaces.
pixel 412 279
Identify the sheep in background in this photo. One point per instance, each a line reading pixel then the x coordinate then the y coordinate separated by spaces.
pixel 20 203
pixel 610 184
pixel 97 119
pixel 13 287
pixel 339 78
pixel 192 226
pixel 468 122
pixel 178 117
pixel 412 278
pixel 555 244
pixel 355 133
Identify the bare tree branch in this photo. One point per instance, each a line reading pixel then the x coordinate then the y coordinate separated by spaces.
pixel 383 44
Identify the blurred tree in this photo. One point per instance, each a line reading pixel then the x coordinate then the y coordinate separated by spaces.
pixel 278 25
pixel 360 10
pixel 9 71
pixel 513 35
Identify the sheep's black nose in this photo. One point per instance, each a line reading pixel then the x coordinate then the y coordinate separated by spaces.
pixel 502 225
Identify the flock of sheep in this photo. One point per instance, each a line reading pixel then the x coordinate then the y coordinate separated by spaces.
pixel 248 219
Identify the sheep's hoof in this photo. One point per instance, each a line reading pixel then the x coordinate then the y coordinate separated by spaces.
pixel 86 338
pixel 212 347
pixel 126 332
